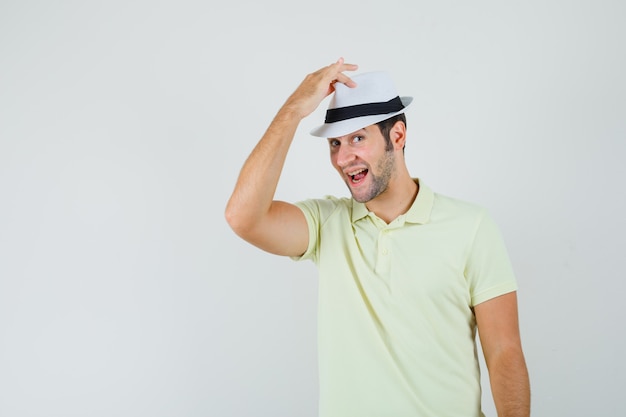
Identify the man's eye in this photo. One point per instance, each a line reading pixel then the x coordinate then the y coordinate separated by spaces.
pixel 334 143
pixel 357 139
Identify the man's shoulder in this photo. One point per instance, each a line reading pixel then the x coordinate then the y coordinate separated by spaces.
pixel 458 204
pixel 325 206
pixel 448 207
pixel 327 200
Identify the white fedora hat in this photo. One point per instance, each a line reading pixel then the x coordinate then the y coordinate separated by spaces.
pixel 373 100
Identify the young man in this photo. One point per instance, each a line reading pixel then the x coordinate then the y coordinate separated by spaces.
pixel 406 275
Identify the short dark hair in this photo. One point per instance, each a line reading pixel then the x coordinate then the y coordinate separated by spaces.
pixel 386 125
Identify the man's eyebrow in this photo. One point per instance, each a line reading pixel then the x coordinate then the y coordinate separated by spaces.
pixel 357 132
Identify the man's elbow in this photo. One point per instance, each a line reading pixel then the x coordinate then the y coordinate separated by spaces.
pixel 236 219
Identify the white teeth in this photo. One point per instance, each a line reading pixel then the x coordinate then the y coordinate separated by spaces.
pixel 353 173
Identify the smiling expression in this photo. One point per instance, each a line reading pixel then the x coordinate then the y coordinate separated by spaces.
pixel 364 163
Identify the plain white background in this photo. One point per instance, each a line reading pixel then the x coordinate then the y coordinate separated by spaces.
pixel 123 125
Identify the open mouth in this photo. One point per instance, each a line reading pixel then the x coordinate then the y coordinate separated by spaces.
pixel 357 176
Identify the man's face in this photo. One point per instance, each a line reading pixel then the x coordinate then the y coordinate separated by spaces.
pixel 363 162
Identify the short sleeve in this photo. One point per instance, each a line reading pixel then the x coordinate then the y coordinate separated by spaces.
pixel 317 212
pixel 488 268
pixel 312 214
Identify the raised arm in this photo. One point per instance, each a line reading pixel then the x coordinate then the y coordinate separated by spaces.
pixel 275 226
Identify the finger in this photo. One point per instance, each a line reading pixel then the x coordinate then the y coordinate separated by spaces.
pixel 344 79
pixel 336 72
pixel 341 66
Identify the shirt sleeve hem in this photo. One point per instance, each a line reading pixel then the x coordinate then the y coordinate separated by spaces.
pixel 309 251
pixel 494 292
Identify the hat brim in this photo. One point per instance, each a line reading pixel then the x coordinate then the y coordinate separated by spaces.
pixel 343 127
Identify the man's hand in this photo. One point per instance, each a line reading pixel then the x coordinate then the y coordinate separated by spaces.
pixel 317 86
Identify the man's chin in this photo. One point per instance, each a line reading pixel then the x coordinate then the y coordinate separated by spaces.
pixel 360 198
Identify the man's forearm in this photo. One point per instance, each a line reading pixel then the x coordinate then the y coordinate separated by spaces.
pixel 510 384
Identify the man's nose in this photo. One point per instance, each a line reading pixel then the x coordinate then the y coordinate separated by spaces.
pixel 345 156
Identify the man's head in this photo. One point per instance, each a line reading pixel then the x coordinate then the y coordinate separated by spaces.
pixel 369 159
pixel 366 129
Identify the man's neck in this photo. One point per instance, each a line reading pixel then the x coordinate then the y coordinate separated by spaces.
pixel 396 200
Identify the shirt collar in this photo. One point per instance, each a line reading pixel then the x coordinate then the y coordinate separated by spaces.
pixel 419 212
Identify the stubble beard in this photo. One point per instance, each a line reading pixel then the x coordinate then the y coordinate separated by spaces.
pixel 386 167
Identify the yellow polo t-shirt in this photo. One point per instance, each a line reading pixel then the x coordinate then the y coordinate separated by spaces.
pixel 396 330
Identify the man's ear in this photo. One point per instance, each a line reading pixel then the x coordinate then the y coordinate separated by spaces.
pixel 397 134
